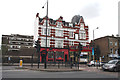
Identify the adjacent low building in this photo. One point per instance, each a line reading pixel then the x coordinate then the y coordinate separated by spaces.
pixel 106 47
pixel 15 41
pixel 15 47
pixel 118 46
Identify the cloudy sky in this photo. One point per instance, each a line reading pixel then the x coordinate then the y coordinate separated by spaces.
pixel 18 16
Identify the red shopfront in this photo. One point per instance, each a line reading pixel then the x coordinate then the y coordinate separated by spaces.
pixel 54 55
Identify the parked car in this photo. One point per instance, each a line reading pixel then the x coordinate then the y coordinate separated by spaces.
pixel 112 65
pixel 94 63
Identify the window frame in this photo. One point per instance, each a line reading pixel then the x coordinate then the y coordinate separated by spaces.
pixel 71 34
pixel 44 31
pixel 59 43
pixel 43 41
pixel 60 32
pixel 82 26
pixel 59 24
pixel 76 36
pixel 82 34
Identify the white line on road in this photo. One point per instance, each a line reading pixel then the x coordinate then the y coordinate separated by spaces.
pixel 15 70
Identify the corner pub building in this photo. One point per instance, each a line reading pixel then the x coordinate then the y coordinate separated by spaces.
pixel 60 35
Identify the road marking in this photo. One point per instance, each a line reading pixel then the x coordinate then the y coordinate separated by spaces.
pixel 68 72
pixel 15 70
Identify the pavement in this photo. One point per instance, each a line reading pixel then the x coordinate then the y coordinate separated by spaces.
pixel 50 67
pixel 54 67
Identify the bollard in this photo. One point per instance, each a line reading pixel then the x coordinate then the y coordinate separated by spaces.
pixel 21 63
pixel 65 64
pixel 78 65
pixel 32 61
pixel 71 63
pixel 99 63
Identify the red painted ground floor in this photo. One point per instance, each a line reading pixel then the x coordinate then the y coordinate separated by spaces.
pixel 62 54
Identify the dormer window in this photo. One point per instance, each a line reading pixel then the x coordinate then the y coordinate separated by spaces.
pixel 59 24
pixel 81 26
pixel 71 25
pixel 45 22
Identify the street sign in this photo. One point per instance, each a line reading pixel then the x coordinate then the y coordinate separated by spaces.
pixel 92 51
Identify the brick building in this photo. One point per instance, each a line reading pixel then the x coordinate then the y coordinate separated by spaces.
pixel 118 45
pixel 106 47
pixel 60 34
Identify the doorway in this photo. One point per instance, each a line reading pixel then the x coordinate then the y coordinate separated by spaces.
pixel 43 58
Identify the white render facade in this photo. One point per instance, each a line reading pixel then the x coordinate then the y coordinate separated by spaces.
pixel 60 34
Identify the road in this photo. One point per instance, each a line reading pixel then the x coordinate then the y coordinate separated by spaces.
pixel 11 72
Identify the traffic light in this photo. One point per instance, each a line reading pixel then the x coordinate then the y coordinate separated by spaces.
pixel 37 46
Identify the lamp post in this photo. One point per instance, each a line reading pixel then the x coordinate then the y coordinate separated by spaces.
pixel 93 44
pixel 80 47
pixel 46 34
pixel 93 31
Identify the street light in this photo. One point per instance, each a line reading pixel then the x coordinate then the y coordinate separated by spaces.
pixel 46 33
pixel 93 41
pixel 93 31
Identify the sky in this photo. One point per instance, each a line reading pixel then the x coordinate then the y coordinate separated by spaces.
pixel 18 16
pixel 119 18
